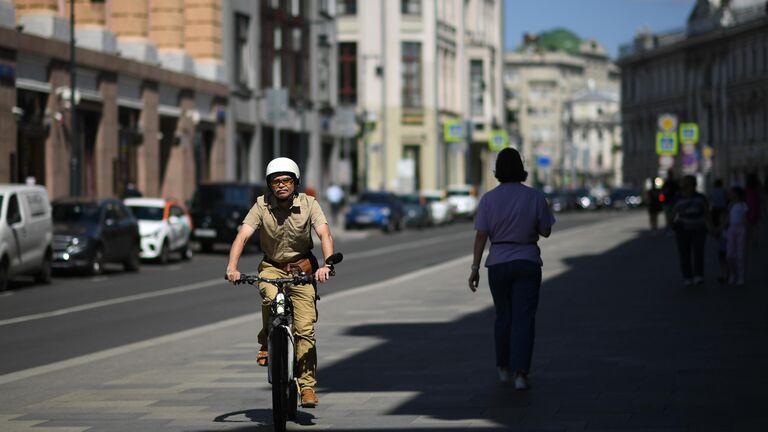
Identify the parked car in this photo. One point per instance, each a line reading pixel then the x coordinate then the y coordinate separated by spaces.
pixel 463 199
pixel 440 209
pixel 416 211
pixel 558 201
pixel 624 198
pixel 26 233
pixel 378 209
pixel 583 199
pixel 218 209
pixel 165 227
pixel 89 232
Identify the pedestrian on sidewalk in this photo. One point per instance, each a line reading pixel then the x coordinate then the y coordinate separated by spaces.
pixel 736 236
pixel 654 207
pixel 690 220
pixel 513 216
pixel 669 195
pixel 335 196
pixel 752 198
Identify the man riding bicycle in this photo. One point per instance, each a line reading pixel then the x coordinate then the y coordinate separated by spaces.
pixel 283 218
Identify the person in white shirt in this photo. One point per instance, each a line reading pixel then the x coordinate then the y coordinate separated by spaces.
pixel 736 241
pixel 335 196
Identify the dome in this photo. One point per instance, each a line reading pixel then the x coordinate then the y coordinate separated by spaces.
pixel 559 39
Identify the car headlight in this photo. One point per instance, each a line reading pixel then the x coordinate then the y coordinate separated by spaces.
pixel 77 245
pixel 385 211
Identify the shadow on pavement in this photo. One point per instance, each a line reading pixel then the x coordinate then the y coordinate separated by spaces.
pixel 621 345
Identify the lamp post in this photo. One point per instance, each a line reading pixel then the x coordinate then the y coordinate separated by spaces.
pixel 75 175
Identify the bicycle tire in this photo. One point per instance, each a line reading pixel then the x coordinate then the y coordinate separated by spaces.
pixel 293 400
pixel 279 362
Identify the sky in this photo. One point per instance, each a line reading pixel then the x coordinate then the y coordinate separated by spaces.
pixel 610 22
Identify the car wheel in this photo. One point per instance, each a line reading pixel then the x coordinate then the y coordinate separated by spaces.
pixel 134 260
pixel 3 276
pixel 97 262
pixel 43 276
pixel 162 257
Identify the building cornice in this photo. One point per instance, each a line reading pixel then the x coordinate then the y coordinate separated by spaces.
pixel 59 51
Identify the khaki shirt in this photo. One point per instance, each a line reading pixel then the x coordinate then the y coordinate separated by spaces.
pixel 285 235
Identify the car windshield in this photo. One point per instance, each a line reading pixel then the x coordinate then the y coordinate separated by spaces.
pixel 147 213
pixel 458 193
pixel 374 198
pixel 213 196
pixel 75 212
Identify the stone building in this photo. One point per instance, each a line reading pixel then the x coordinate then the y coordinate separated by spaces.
pixel 714 72
pixel 150 100
pixel 410 67
pixel 561 94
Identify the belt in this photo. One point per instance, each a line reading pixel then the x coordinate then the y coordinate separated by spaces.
pixel 286 267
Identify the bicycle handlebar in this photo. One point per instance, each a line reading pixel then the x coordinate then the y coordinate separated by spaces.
pixel 295 280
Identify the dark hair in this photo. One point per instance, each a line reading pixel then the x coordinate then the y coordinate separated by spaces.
pixel 738 192
pixel 718 183
pixel 509 166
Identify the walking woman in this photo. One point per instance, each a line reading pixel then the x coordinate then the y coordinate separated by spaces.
pixel 513 216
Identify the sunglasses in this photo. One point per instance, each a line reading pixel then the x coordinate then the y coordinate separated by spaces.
pixel 288 181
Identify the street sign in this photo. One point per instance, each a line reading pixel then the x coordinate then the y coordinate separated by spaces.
pixel 345 123
pixel 666 143
pixel 708 151
pixel 453 131
pixel 498 140
pixel 667 123
pixel 689 133
pixel 690 163
pixel 277 103
pixel 689 149
pixel 666 162
pixel 543 161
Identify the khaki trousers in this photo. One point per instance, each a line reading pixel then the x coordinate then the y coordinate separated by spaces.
pixel 304 318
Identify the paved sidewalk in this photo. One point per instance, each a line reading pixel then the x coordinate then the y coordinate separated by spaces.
pixel 621 346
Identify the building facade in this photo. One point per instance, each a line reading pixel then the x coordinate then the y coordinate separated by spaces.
pixel 150 104
pixel 714 72
pixel 562 102
pixel 407 68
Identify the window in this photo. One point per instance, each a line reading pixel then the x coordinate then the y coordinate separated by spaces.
pixel 411 74
pixel 347 7
pixel 14 213
pixel 348 73
pixel 274 4
pixel 296 39
pixel 410 7
pixel 242 50
pixel 295 7
pixel 476 88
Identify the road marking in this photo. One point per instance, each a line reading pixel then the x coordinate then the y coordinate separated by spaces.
pixel 209 283
pixel 243 319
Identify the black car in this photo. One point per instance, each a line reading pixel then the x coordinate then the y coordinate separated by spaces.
pixel 89 232
pixel 415 211
pixel 218 209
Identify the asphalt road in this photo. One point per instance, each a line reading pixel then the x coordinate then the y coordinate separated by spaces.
pixel 78 315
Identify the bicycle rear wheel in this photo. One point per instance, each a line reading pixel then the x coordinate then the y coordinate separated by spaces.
pixel 293 400
pixel 280 386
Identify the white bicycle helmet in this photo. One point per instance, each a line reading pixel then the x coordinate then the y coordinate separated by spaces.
pixel 283 165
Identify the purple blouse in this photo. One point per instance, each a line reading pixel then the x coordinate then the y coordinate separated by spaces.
pixel 513 214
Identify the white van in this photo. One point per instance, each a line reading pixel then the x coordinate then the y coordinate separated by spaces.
pixel 26 232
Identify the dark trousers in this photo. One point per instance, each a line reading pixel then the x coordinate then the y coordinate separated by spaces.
pixel 690 244
pixel 515 290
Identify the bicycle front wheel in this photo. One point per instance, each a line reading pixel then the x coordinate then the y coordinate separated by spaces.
pixel 280 386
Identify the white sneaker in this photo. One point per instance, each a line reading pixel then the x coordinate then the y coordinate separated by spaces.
pixel 503 375
pixel 521 381
pixel 698 280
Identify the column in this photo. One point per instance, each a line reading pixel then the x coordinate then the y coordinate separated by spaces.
pixel 202 37
pixel 7 117
pixel 149 150
pixel 166 30
pixel 180 175
pixel 91 25
pixel 58 145
pixel 219 150
pixel 130 22
pixel 106 138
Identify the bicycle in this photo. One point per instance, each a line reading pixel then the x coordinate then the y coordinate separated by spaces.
pixel 281 361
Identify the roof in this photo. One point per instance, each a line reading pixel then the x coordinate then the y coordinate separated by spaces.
pixel 559 39
pixel 147 202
